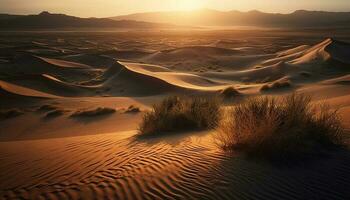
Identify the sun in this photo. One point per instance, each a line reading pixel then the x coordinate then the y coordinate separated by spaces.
pixel 189 5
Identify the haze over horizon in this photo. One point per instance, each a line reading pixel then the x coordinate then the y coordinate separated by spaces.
pixel 108 8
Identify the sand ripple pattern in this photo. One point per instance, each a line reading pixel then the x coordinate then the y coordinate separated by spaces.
pixel 116 166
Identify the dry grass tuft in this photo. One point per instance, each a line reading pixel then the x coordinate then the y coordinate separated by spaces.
pixel 276 85
pixel 133 109
pixel 10 114
pixel 279 126
pixel 95 112
pixel 55 113
pixel 229 92
pixel 179 114
pixel 46 108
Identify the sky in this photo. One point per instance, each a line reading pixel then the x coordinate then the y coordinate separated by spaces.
pixel 108 8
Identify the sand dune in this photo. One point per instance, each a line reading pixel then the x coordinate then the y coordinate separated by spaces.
pixel 118 79
pixel 190 57
pixel 23 91
pixel 299 49
pixel 93 60
pixel 104 76
pixel 29 64
pixel 62 63
pixel 128 81
pixel 181 80
pixel 343 80
pixel 51 85
pixel 117 166
pixel 292 62
pixel 328 50
pixel 194 52
pixel 53 154
pixel 128 54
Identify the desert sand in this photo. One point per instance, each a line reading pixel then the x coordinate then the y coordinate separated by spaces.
pixel 67 130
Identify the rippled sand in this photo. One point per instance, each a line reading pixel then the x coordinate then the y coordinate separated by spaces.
pixel 119 166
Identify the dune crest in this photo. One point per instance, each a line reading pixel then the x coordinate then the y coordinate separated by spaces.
pixel 326 51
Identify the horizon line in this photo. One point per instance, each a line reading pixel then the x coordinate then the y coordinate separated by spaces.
pixel 168 11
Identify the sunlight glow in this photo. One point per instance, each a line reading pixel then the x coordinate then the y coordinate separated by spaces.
pixel 189 5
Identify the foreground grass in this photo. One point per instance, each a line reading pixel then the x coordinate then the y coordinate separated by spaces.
pixel 279 127
pixel 179 113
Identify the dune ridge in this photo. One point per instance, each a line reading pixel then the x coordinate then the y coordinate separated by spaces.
pixel 107 76
pixel 326 51
pixel 290 64
pixel 23 91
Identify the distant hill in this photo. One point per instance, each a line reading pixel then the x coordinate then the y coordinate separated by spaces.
pixel 7 16
pixel 46 20
pixel 206 17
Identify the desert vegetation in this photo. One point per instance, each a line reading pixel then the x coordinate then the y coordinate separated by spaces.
pixel 229 92
pixel 276 85
pixel 46 107
pixel 133 109
pixel 179 113
pixel 100 111
pixel 279 126
pixel 55 113
pixel 10 114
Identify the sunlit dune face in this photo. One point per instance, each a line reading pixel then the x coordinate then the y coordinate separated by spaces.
pixel 189 5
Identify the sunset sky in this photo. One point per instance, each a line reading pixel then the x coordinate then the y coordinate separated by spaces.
pixel 107 8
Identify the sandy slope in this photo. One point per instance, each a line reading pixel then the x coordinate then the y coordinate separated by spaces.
pixel 22 91
pixel 118 166
pixel 181 80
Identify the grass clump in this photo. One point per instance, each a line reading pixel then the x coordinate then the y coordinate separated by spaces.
pixel 278 85
pixel 10 114
pixel 279 127
pixel 133 109
pixel 100 111
pixel 179 114
pixel 229 92
pixel 45 108
pixel 54 114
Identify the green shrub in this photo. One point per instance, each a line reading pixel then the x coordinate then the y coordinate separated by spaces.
pixel 179 114
pixel 279 126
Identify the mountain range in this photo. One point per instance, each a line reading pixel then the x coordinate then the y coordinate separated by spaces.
pixel 207 17
pixel 176 19
pixel 46 20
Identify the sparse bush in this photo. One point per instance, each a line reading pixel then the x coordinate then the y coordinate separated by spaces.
pixel 305 74
pixel 280 126
pixel 10 114
pixel 92 113
pixel 229 92
pixel 180 113
pixel 54 113
pixel 47 108
pixel 276 85
pixel 265 87
pixel 133 109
